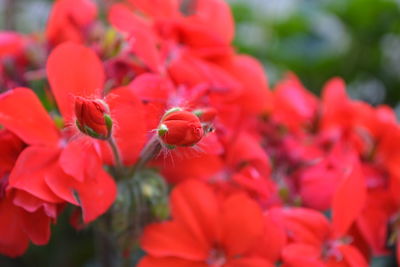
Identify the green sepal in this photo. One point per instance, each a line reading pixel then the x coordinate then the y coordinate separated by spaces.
pixel 171 110
pixel 169 146
pixel 198 112
pixel 89 131
pixel 79 126
pixel 162 130
pixel 109 123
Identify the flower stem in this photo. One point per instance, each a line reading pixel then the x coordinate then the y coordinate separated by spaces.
pixel 116 153
pixel 151 150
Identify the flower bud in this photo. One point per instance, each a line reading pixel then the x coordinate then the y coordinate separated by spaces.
pixel 93 117
pixel 180 128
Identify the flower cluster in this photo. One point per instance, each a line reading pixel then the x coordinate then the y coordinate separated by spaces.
pixel 259 176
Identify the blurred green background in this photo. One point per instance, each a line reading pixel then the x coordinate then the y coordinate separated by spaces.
pixel 358 40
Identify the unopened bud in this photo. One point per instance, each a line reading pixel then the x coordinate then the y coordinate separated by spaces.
pixel 180 128
pixel 93 117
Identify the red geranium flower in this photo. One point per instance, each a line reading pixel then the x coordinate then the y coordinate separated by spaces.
pixel 312 241
pixel 206 230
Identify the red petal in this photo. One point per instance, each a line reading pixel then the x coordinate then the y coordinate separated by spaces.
pixel 13 240
pixel 95 195
pixel 199 39
pixel 125 20
pixel 247 262
pixel 242 224
pixel 158 8
pixel 154 91
pixel 59 182
pixel 372 222
pixel 67 21
pixel 305 225
pixel 31 204
pixel 171 239
pixel 130 129
pixel 353 257
pixel 317 193
pixel 299 255
pixel 191 71
pixel 74 70
pixel 22 113
pixel 247 149
pixel 177 169
pixel 334 91
pixel 169 262
pixel 79 159
pixel 256 94
pixel 338 109
pixel 348 201
pixel 10 148
pixel 195 206
pixel 30 171
pixel 274 239
pixel 37 226
pixel 294 105
pixel 142 38
pixel 217 16
pixel 11 43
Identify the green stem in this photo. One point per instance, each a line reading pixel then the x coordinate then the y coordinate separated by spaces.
pixel 107 251
pixel 116 153
pixel 151 150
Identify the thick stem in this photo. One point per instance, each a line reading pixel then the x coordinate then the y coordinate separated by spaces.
pixel 107 252
pixel 119 229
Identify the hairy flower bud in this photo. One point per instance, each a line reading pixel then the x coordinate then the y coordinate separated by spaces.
pixel 93 117
pixel 180 128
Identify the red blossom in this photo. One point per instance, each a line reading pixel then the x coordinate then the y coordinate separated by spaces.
pixel 205 231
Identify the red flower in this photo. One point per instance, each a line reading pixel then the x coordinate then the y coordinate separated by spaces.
pixel 39 169
pixel 180 128
pixel 312 242
pixel 205 231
